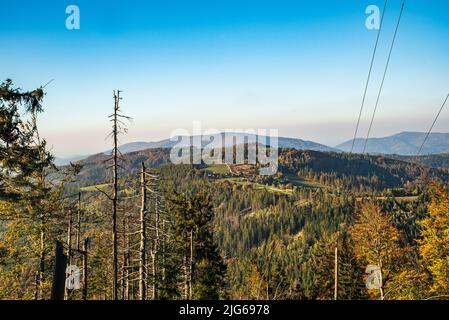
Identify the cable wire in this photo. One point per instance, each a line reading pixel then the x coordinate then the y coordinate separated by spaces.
pixel 369 76
pixel 433 124
pixel 383 78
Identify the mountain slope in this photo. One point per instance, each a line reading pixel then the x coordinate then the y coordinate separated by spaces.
pixel 66 161
pixel 354 170
pixel 283 142
pixel 404 143
pixel 96 168
pixel 327 168
pixel 432 161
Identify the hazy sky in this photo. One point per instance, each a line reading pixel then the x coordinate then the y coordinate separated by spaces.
pixel 298 66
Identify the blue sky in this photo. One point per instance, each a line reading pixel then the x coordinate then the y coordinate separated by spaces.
pixel 298 66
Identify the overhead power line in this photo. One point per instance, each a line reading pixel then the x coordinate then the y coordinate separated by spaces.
pixel 383 78
pixel 47 83
pixel 433 124
pixel 369 75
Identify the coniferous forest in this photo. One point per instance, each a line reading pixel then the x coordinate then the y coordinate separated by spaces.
pixel 328 225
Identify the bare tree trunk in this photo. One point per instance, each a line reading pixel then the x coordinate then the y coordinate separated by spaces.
pixel 163 247
pixel 41 183
pixel 132 290
pixel 126 262
pixel 153 272
pixel 148 267
pixel 78 222
pixel 69 250
pixel 69 239
pixel 191 264
pixel 381 282
pixel 42 260
pixel 270 259
pixel 85 271
pixel 114 198
pixel 186 276
pixel 336 273
pixel 143 236
pixel 36 285
pixel 156 250
pixel 186 266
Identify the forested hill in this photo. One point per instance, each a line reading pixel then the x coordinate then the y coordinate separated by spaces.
pixel 434 160
pixel 404 143
pixel 355 169
pixel 325 168
pixel 95 168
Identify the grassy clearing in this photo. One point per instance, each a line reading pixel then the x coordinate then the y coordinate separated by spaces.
pixel 125 192
pixel 217 169
pixel 296 181
pixel 260 213
pixel 259 186
pixel 398 199
pixel 94 187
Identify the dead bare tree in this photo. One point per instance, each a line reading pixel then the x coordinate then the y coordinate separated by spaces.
pixel 126 260
pixel 78 223
pixel 69 248
pixel 115 195
pixel 118 127
pixel 143 236
pixel 152 184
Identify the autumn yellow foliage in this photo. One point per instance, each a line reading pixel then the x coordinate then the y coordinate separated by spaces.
pixel 434 245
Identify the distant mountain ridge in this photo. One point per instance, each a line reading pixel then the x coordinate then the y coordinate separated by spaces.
pixel 283 142
pixel 404 143
pixel 64 161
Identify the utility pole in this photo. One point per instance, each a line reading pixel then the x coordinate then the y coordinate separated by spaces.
pixel 336 272
pixel 143 236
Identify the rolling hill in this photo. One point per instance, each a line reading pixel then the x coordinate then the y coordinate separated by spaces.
pixel 404 143
pixel 374 171
pixel 283 142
